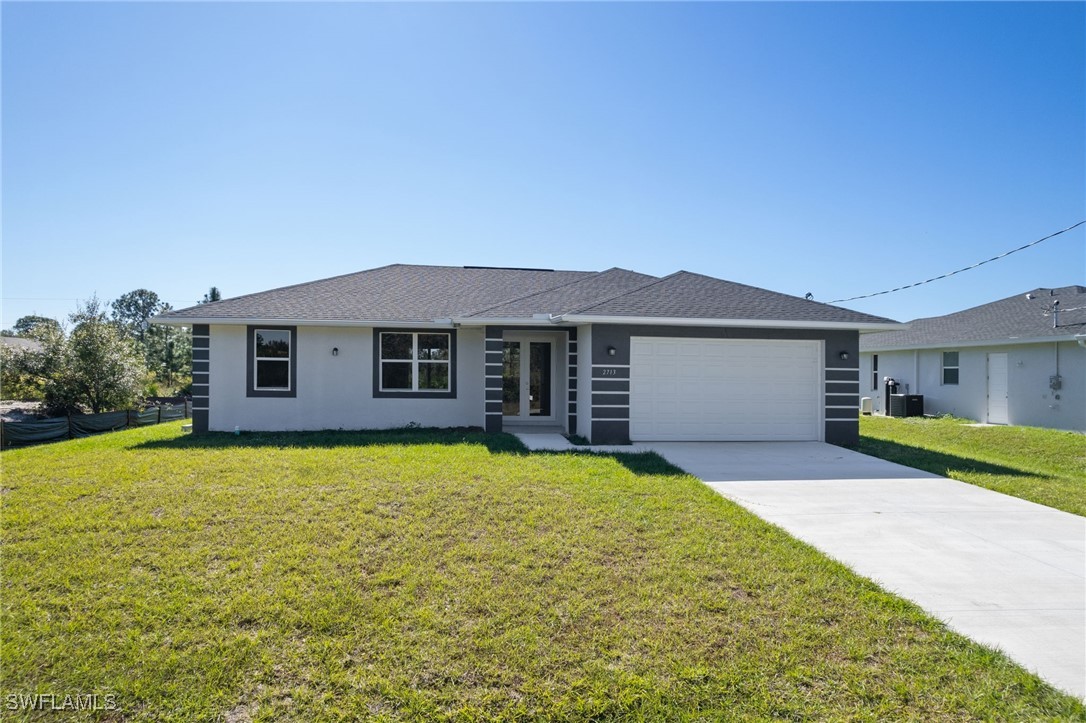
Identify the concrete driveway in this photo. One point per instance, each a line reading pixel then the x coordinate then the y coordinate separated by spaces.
pixel 1005 572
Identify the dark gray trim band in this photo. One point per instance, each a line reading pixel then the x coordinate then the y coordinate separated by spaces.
pixel 610 431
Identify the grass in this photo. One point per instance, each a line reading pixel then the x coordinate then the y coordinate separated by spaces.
pixel 421 575
pixel 1046 466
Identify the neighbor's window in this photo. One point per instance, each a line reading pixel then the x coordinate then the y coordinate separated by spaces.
pixel 272 367
pixel 415 362
pixel 950 367
pixel 874 372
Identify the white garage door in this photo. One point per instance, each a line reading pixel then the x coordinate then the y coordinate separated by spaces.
pixel 724 389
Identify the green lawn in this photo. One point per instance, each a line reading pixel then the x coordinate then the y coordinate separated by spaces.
pixel 446 575
pixel 1047 466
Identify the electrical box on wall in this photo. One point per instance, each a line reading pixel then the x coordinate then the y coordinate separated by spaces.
pixel 1055 382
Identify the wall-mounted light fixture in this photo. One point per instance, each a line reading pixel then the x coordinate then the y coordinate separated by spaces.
pixel 843 356
pixel 335 351
pixel 611 351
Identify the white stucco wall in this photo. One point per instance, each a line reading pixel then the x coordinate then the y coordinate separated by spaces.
pixel 1029 366
pixel 335 392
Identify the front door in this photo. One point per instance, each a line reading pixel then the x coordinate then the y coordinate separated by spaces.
pixel 997 389
pixel 527 372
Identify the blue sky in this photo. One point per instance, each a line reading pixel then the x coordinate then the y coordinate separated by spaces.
pixel 836 149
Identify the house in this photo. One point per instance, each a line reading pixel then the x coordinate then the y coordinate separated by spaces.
pixel 613 356
pixel 21 344
pixel 1019 360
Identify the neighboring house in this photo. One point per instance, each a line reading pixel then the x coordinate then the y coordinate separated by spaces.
pixel 20 343
pixel 1020 360
pixel 613 356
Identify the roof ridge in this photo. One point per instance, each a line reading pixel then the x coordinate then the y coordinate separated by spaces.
pixel 646 285
pixel 592 275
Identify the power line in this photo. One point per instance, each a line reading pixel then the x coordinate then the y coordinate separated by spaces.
pixel 967 268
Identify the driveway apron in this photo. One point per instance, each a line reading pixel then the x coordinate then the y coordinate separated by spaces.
pixel 1007 573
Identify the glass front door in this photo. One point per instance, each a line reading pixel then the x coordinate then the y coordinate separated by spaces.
pixel 527 371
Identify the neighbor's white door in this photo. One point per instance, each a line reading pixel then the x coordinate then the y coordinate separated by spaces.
pixel 997 389
pixel 725 389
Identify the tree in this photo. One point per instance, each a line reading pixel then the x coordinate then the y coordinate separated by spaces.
pixel 95 367
pixel 35 327
pixel 212 295
pixel 169 352
pixel 132 312
pixel 25 372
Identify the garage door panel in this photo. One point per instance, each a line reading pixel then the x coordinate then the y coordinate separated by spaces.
pixel 725 389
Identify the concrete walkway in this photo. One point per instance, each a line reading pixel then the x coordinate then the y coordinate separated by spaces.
pixel 1005 572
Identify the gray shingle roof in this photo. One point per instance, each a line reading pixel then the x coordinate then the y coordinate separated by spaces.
pixel 572 296
pixel 405 293
pixel 686 295
pixel 398 292
pixel 1014 318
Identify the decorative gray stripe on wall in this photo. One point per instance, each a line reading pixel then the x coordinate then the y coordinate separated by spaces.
pixel 201 378
pixel 612 398
pixel 610 385
pixel 611 413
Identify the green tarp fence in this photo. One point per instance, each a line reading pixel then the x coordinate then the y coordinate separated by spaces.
pixel 17 434
pixel 38 431
pixel 84 425
pixel 136 418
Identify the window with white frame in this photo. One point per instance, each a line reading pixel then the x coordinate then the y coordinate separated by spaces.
pixel 950 367
pixel 415 361
pixel 271 359
pixel 271 370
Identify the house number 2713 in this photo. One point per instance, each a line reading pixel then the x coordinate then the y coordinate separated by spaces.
pixel 609 372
